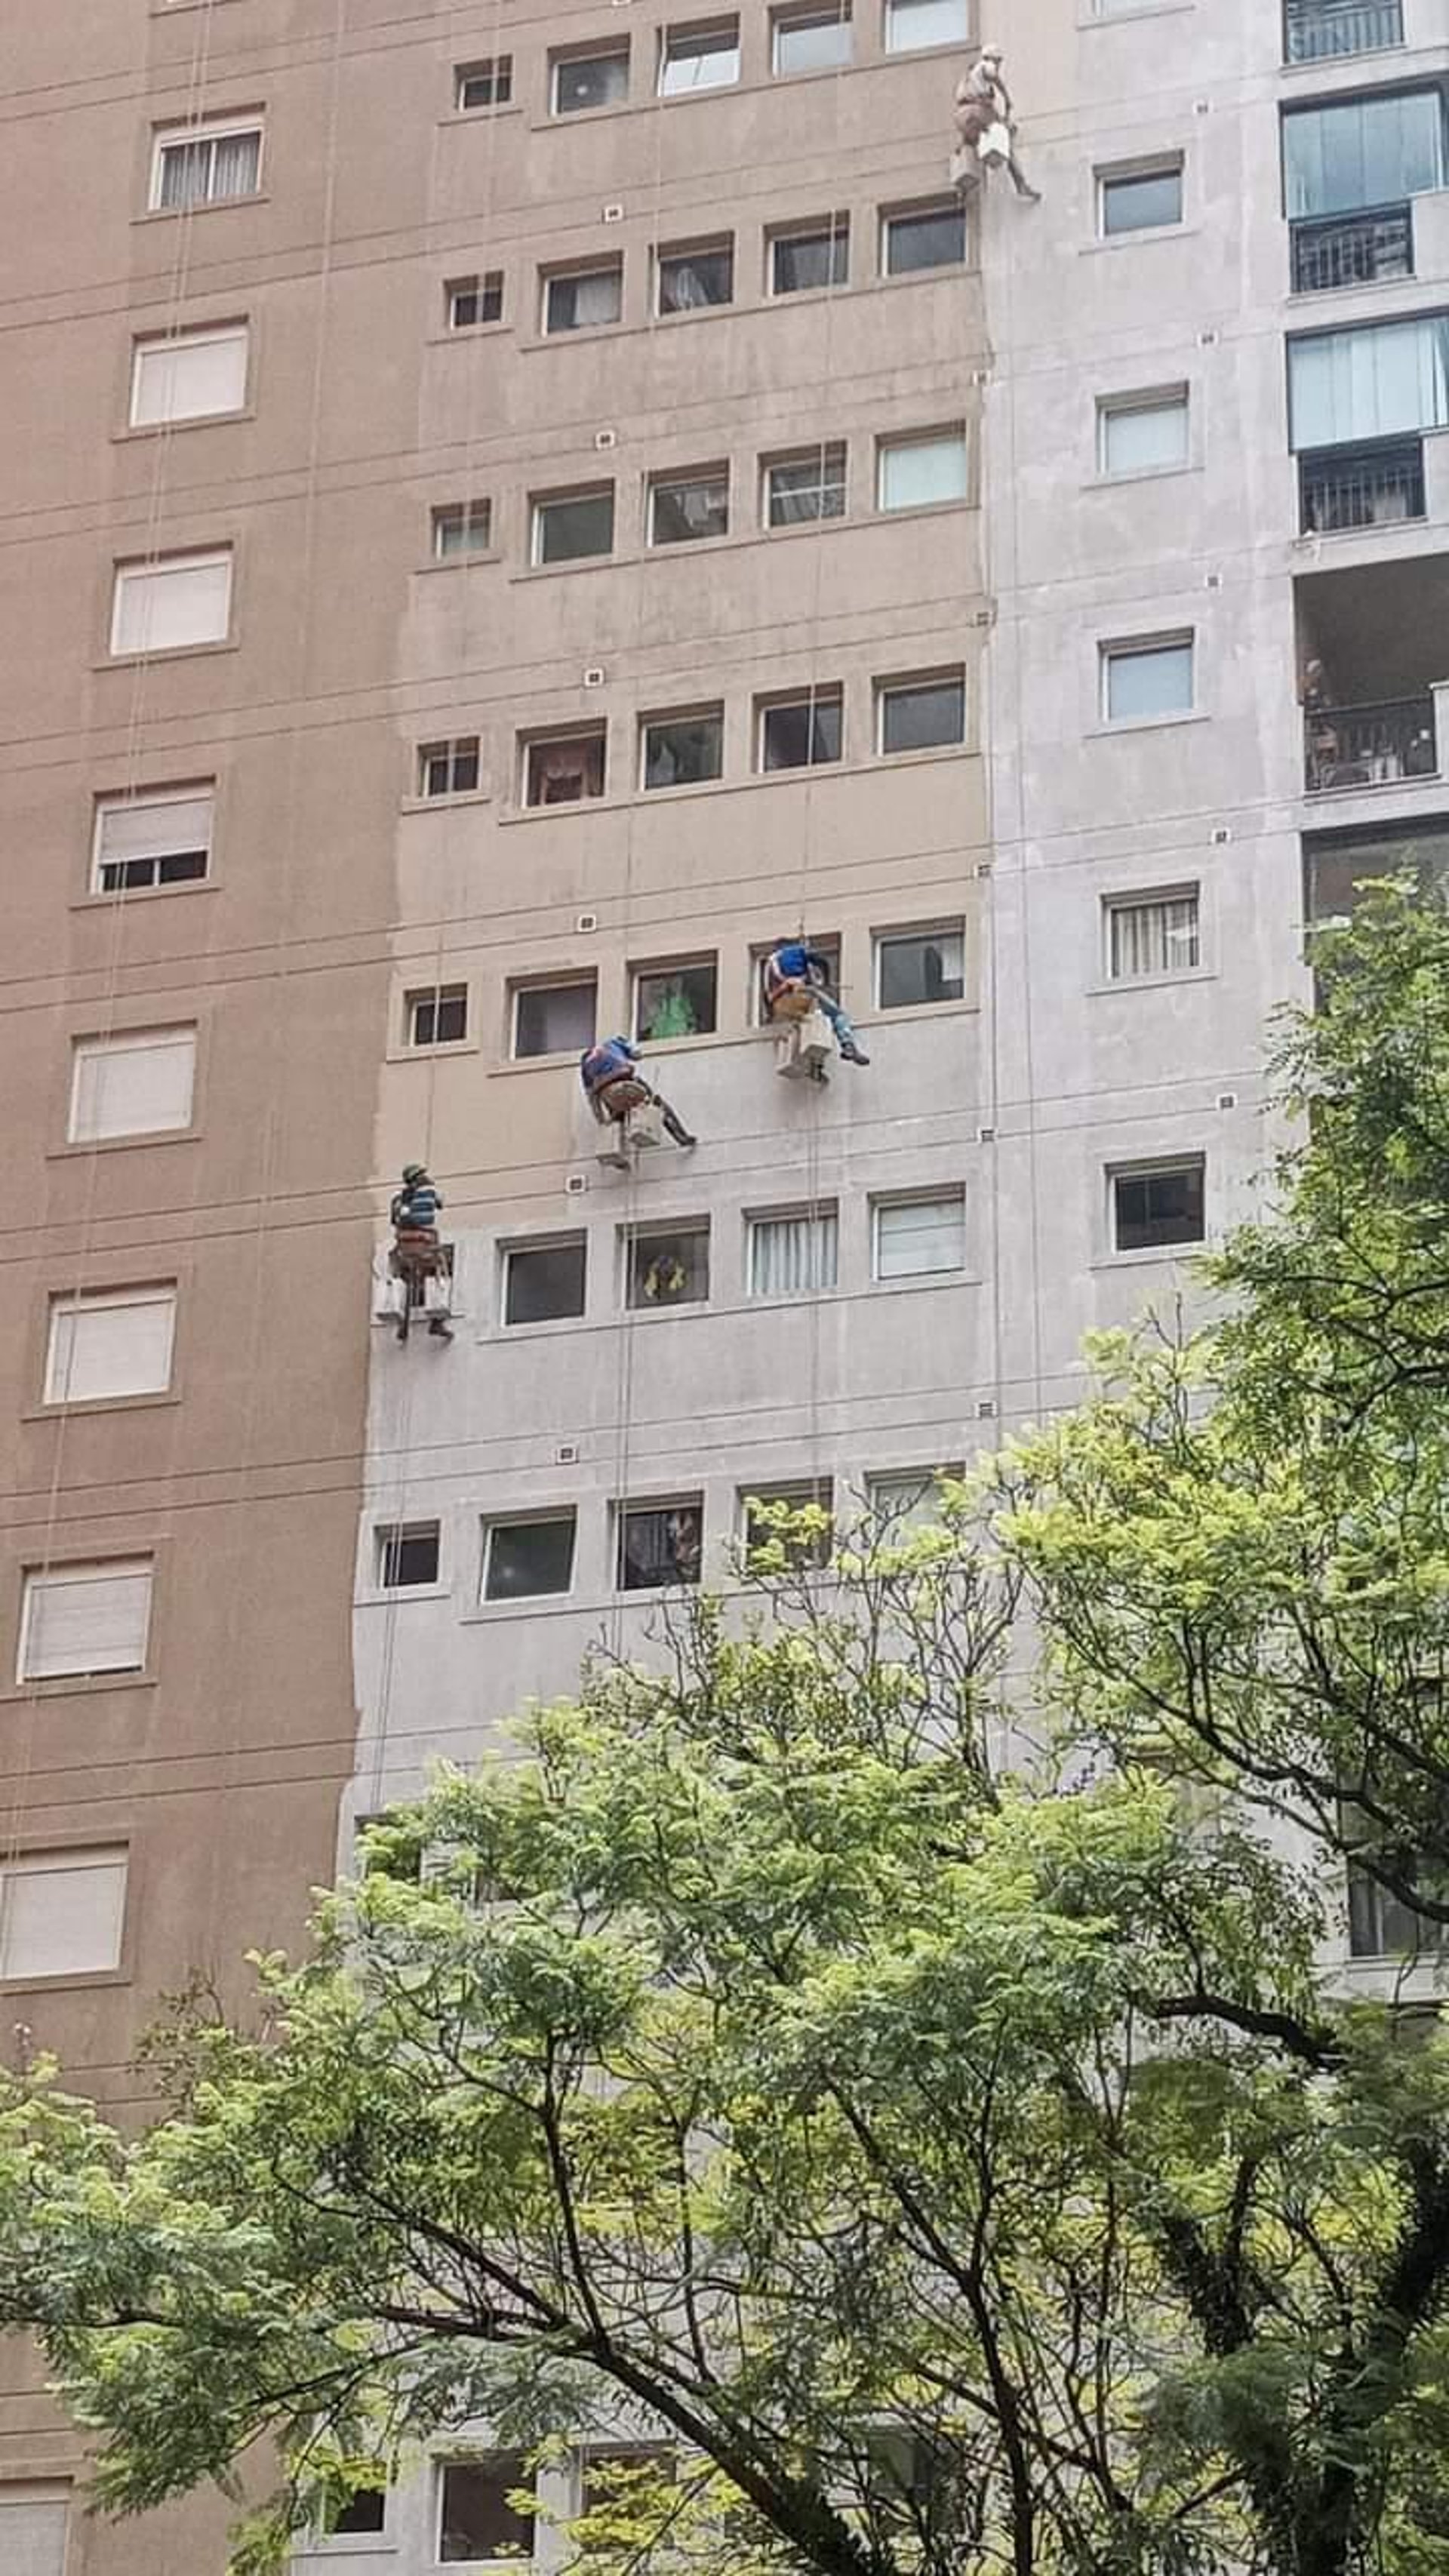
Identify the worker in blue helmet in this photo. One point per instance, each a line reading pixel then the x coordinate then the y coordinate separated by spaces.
pixel 797 978
pixel 613 1085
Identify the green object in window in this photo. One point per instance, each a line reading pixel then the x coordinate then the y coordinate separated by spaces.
pixel 673 1014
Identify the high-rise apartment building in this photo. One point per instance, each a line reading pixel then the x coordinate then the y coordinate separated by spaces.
pixel 506 515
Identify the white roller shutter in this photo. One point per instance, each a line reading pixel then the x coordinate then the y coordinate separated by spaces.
pixel 137 1085
pixel 161 607
pixel 153 827
pixel 114 1342
pixel 915 1237
pixel 33 2530
pixel 61 1916
pixel 86 1619
pixel 187 378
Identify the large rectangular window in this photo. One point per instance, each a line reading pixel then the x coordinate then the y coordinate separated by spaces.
pixel 809 39
pixel 1158 1205
pixel 1144 199
pixel 916 1238
pixel 544 1282
pixel 522 1560
pixel 477 2519
pixel 667 1265
pixel 685 507
pixel 172 604
pixel 810 255
pixel 554 1019
pixel 462 528
pixel 564 769
pixel 682 750
pixel 483 85
pixel 1369 382
pixel 188 375
pixel 61 1915
pixel 675 1001
pixel 1151 934
pixel 160 837
pixel 805 487
pixel 917 967
pixel 922 715
pixel 699 57
pixel 470 301
pixel 590 80
pixel 34 2521
pixel 911 25
pixel 690 276
pixel 917 237
pixel 914 472
pixel 137 1085
pixel 583 299
pixel 109 1342
pixel 206 164
pixel 793 1254
pixel 1353 153
pixel 82 1619
pixel 406 1554
pixel 436 1015
pixel 571 525
pixel 449 768
pixel 773 1543
pixel 801 732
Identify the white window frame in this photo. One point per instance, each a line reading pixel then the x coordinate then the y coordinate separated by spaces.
pixel 1153 165
pixel 609 49
pixel 143 568
pixel 160 344
pixel 958 35
pixel 482 64
pixel 922 211
pixel 817 13
pixel 1120 648
pixel 86 1570
pixel 540 505
pixel 818 1217
pixel 384 1532
pixel 85 1050
pixel 546 1515
pixel 890 1200
pixel 546 984
pixel 205 129
pixel 467 517
pixel 910 930
pixel 1139 899
pixel 712 477
pixel 148 800
pixel 64 1862
pixel 698 28
pixel 1152 398
pixel 417 997
pixel 1151 1167
pixel 895 684
pixel 953 435
pixel 99 1301
pixel 782 459
pixel 549 278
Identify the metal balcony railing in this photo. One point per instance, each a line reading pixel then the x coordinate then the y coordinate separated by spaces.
pixel 1374 486
pixel 1374 746
pixel 1315 29
pixel 1361 249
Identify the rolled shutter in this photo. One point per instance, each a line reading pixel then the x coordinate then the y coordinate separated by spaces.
pixel 164 606
pixel 919 1236
pixel 102 1346
pixel 86 1619
pixel 133 1086
pixel 197 373
pixel 61 1915
pixel 32 2531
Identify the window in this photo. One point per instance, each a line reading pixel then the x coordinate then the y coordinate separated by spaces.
pixel 913 472
pixel 1143 681
pixel 583 299
pixel 33 2524
pixel 667 1265
pixel 436 1016
pixel 683 750
pixel 476 2520
pixel 573 525
pixel 522 1559
pixel 1151 934
pixel 793 1254
pixel 809 40
pixel 462 528
pixel 1157 1205
pixel 172 603
pixel 771 1547
pixel 487 84
pixel 700 57
pixel 60 1916
pixel 83 1619
pixel 161 837
pixel 694 275
pixel 1142 433
pixel 810 255
pixel 109 1342
pixel 564 769
pixel 544 1282
pixel 916 1238
pixel 905 1499
pixel 554 1019
pixel 206 163
pixel 1349 386
pixel 799 733
pixel 921 715
pixel 804 487
pixel 1362 152
pixel 582 81
pixel 1382 1925
pixel 660 1544
pixel 188 375
pixel 917 237
pixel 914 967
pixel 137 1085
pixel 826 947
pixel 912 24
pixel 685 507
pixel 364 2510
pixel 449 768
pixel 406 1553
pixel 608 2468
pixel 675 1001
pixel 1142 200
pixel 472 300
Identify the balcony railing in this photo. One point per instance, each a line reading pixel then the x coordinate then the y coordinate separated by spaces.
pixel 1315 29
pixel 1361 249
pixel 1373 746
pixel 1374 486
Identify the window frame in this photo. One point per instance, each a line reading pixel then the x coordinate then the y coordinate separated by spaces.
pixel 70 1301
pixel 1152 1167
pixel 708 711
pixel 1125 174
pixel 128 568
pixel 636 1240
pixel 1122 406
pixel 923 210
pixel 566 1241
pixel 175 134
pixel 36 1579
pixel 592 737
pixel 545 1516
pixel 457 751
pixel 462 515
pixel 484 286
pixel 824 1214
pixel 524 985
pixel 606 49
pixel 420 997
pixel 832 229
pixel 696 962
pixel 1116 649
pixel 818 13
pixel 714 477
pixel 144 800
pixel 796 1493
pixel 920 935
pixel 891 443
pixel 899 684
pixel 443 2461
pixel 88 1047
pixel 57 1859
pixel 576 273
pixel 773 461
pixel 680 254
pixel 725 24
pixel 541 503
pixel 489 67
pixel 934 44
pixel 389 1538
pixel 887 1202
pixel 1139 899
pixel 145 344
pixel 654 1507
pixel 809 700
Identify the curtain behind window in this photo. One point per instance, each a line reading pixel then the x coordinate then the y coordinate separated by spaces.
pixel 1350 385
pixel 1363 152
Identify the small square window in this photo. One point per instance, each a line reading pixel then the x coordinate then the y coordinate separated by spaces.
pixel 685 507
pixel 910 25
pixel 364 2510
pixel 564 769
pixel 810 255
pixel 472 300
pixel 1140 200
pixel 554 1019
pixel 659 1544
pixel 583 299
pixel 573 525
pixel 437 1015
pixel 488 84
pixel 809 40
pixel 1142 433
pixel 920 1238
pixel 590 80
pixel 682 750
pixel 912 473
pixel 800 733
pixel 793 1253
pixel 919 237
pixel 667 1265
pixel 544 1283
pixel 772 1547
pixel 407 1553
pixel 805 487
pixel 1152 934
pixel 158 837
pixel 449 768
pixel 522 1560
pixel 462 528
pixel 694 275
pixel 917 967
pixel 1147 680
pixel 1158 1206
pixel 695 58
pixel 924 714
pixel 675 1001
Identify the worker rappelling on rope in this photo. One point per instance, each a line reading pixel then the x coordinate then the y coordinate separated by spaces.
pixel 419 1264
pixel 621 1099
pixel 797 988
pixel 986 127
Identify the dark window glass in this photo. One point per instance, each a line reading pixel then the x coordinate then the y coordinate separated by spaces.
pixel 800 260
pixel 464 528
pixel 553 1019
pixel 924 966
pixel 544 1281
pixel 800 488
pixel 590 80
pixel 934 238
pixel 475 299
pixel 438 1017
pixel 1158 1207
pixel 801 733
pixel 679 751
pixel 580 524
pixel 923 714
pixel 526 1557
pixel 122 876
pixel 486 84
pixel 669 1266
pixel 1141 200
pixel 564 772
pixel 660 1545
pixel 693 506
pixel 449 768
pixel 690 279
pixel 584 302
pixel 364 2511
pixel 477 2520
pixel 407 1552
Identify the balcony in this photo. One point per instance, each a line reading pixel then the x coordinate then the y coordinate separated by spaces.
pixel 1366 248
pixel 1373 647
pixel 1377 485
pixel 1314 31
pixel 1373 746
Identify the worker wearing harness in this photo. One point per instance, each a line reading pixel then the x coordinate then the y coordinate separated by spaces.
pixel 798 977
pixel 416 1254
pixel 613 1086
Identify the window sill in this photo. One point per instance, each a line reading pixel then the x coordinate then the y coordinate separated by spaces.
pixel 543 1328
pixel 379 1597
pixel 161 653
pixel 75 1686
pixel 586 115
pixel 212 206
pixel 467 331
pixel 123 1144
pixel 904 1012
pixel 460 563
pixel 130 432
pixel 446 804
pixel 1130 15
pixel 1154 983
pixel 1131 241
pixel 432 1054
pixel 1141 474
pixel 482 115
pixel 926 1279
pixel 527 1606
pixel 538 1064
pixel 72 1981
pixel 123 901
pixel 63 1412
pixel 1111 732
pixel 1158 1254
